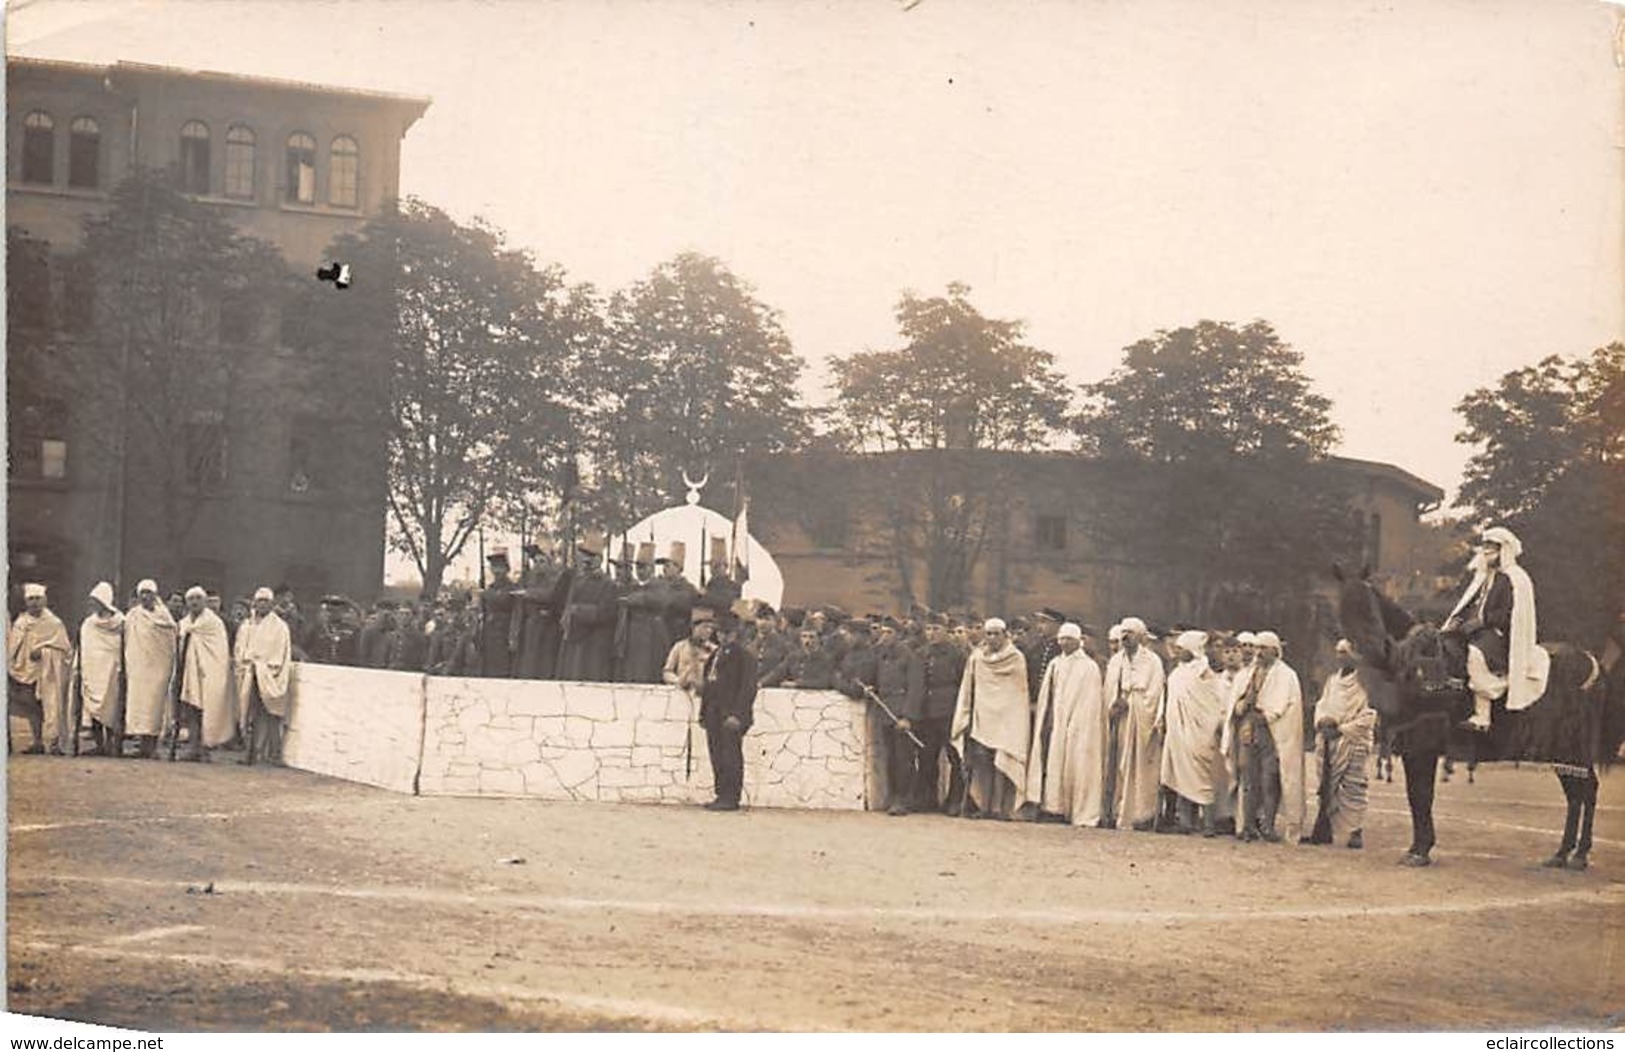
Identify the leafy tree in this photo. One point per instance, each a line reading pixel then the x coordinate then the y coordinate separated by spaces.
pixel 474 350
pixel 156 349
pixel 694 373
pixel 1550 464
pixel 1206 392
pixel 960 381
pixel 1232 498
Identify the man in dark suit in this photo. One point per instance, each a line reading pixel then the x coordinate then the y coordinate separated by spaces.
pixel 726 703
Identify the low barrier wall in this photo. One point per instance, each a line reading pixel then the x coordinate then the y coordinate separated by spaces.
pixel 359 724
pixel 570 741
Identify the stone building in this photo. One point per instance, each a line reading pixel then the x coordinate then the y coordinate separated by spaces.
pixel 832 522
pixel 292 164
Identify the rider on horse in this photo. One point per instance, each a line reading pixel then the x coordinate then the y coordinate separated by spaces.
pixel 1496 617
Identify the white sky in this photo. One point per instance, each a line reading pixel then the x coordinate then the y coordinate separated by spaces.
pixel 1419 199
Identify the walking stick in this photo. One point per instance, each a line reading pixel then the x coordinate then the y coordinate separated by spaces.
pixel 1114 746
pixel 175 702
pixel 964 766
pixel 896 721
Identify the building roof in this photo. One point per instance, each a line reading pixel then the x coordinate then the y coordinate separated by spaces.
pixel 1422 487
pixel 1423 490
pixel 418 103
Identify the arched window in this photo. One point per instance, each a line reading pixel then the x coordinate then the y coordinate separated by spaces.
pixel 301 174
pixel 343 173
pixel 240 162
pixel 39 148
pixel 195 157
pixel 84 153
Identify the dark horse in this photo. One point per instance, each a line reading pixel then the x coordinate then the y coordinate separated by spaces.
pixel 1418 688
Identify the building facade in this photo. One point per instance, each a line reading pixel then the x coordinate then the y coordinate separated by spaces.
pixel 1023 530
pixel 294 165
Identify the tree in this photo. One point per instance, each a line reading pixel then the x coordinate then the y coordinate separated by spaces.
pixel 1228 493
pixel 695 371
pixel 156 351
pixel 1205 392
pixel 961 379
pixel 475 349
pixel 1549 462
pixel 964 382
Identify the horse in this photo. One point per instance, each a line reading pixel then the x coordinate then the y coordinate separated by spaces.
pixel 1417 684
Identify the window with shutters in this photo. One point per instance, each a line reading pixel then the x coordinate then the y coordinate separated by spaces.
pixel 300 176
pixel 38 440
pixel 39 148
pixel 1049 533
pixel 240 145
pixel 195 157
pixel 84 153
pixel 344 173
pixel 205 447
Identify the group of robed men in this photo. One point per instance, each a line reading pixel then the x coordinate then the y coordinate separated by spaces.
pixel 1195 733
pixel 146 673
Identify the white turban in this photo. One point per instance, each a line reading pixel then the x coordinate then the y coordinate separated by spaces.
pixel 33 591
pixel 1247 639
pixel 1344 646
pixel 196 590
pixel 1268 639
pixel 1133 624
pixel 1192 641
pixel 263 593
pixel 147 585
pixel 994 624
pixel 1070 631
pixel 103 594
pixel 1508 542
pixel 1114 634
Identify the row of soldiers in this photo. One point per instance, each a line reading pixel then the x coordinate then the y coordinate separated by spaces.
pixel 600 620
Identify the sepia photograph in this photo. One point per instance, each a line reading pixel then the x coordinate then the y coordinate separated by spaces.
pixel 919 517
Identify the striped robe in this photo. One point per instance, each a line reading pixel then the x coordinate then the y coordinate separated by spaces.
pixel 1341 764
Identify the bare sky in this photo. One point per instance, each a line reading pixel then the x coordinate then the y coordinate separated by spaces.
pixel 1419 198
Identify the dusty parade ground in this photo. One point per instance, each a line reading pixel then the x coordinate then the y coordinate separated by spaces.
pixel 187 897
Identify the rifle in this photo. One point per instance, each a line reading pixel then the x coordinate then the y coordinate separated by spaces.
pixel 76 700
pixel 175 701
pixel 964 767
pixel 896 721
pixel 1114 747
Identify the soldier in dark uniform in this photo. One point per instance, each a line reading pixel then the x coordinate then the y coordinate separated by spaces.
pixel 374 640
pixel 809 667
pixel 408 645
pixel 587 652
pixel 653 617
pixel 287 608
pixel 727 704
pixel 942 667
pixel 900 683
pixel 333 638
pixel 547 586
pixel 1040 648
pixel 498 605
pixel 451 644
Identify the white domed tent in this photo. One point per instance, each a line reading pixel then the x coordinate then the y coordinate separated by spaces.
pixel 698 528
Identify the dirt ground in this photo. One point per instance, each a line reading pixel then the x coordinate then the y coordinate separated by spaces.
pixel 216 897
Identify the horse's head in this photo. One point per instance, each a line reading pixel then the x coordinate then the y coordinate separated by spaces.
pixel 1360 617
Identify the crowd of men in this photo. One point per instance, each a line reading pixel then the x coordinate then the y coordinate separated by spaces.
pixel 1187 732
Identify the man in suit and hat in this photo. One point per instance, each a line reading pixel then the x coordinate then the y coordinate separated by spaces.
pixel 591 610
pixel 727 704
